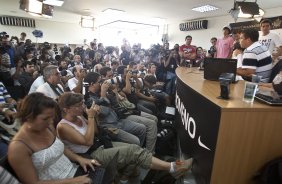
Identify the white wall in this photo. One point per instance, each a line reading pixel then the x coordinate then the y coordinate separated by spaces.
pixel 215 25
pixel 72 33
pixel 54 32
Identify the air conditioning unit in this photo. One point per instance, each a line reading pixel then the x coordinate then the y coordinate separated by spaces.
pixel 193 25
pixel 17 21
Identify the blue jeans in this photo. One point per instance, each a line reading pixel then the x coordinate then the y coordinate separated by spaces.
pixel 150 121
pixel 170 84
pixel 128 131
pixel 3 149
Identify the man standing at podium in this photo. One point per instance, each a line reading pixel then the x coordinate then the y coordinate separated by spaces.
pixel 256 58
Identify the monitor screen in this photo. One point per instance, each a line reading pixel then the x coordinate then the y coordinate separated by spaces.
pixel 214 67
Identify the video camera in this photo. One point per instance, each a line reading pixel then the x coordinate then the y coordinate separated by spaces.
pixel 78 51
pixel 4 35
pixel 47 45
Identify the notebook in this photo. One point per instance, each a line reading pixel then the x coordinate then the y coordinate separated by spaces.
pixel 214 67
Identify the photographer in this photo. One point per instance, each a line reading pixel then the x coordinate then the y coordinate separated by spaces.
pixel 124 56
pixel 106 73
pixel 65 51
pixel 128 89
pixel 172 62
pixel 135 54
pixel 75 84
pixel 65 73
pixel 162 99
pixel 7 108
pixel 5 60
pixel 123 130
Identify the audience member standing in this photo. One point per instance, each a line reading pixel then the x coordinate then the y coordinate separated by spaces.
pixel 212 50
pixel 224 46
pixel 187 51
pixel 5 61
pixel 268 39
pixel 22 37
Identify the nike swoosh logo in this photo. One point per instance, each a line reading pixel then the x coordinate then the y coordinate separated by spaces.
pixel 201 144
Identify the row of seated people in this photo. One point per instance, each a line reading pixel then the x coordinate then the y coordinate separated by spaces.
pixel 52 89
pixel 7 112
pixel 66 153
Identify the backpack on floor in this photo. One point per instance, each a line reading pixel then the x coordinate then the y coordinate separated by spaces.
pixel 166 139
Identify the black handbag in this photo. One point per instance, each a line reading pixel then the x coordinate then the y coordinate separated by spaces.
pixel 101 139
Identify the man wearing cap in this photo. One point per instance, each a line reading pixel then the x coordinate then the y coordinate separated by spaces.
pixel 224 46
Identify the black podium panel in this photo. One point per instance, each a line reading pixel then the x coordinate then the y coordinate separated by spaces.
pixel 197 124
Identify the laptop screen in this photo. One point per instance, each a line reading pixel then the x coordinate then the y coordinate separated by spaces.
pixel 214 67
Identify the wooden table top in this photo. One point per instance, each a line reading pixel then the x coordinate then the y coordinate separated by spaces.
pixel 211 90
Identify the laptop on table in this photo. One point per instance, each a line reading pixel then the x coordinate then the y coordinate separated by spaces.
pixel 214 67
pixel 270 98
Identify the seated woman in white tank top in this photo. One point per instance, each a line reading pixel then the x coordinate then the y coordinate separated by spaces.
pixel 36 154
pixel 78 135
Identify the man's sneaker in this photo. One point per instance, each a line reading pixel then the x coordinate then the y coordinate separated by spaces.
pixel 180 168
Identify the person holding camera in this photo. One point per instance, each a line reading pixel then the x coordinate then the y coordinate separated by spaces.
pixel 172 62
pixel 66 74
pixel 127 89
pixel 6 62
pixel 7 107
pixel 79 134
pixel 75 84
pixel 124 130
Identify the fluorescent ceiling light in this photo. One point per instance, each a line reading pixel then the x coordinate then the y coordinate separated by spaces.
pixel 54 2
pixel 205 8
pixel 113 11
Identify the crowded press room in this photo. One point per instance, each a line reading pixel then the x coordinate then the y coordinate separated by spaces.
pixel 123 92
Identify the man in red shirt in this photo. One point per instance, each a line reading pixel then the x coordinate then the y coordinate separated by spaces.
pixel 187 51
